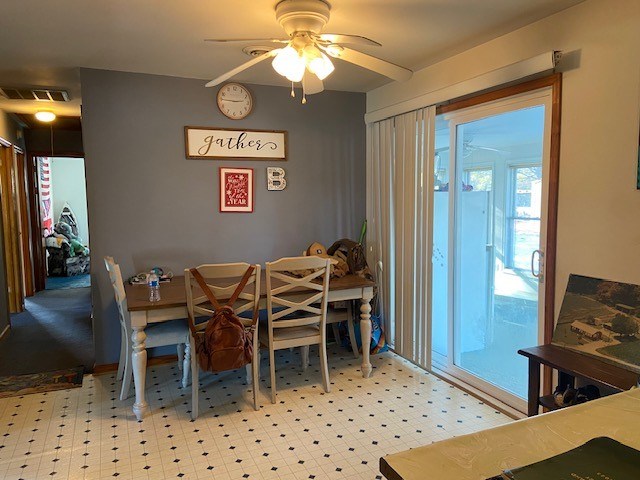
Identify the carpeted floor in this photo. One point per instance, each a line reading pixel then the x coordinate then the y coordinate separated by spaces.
pixel 76 281
pixel 53 333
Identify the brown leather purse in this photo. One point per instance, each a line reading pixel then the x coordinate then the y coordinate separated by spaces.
pixel 226 343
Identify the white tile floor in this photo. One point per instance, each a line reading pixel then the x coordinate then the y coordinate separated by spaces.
pixel 87 433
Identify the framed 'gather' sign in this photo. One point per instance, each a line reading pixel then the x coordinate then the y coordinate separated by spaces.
pixel 205 142
pixel 236 189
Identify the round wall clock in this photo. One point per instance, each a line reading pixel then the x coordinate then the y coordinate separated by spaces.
pixel 234 101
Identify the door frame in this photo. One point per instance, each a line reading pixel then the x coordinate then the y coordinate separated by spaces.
pixel 479 112
pixel 25 224
pixel 11 227
pixel 35 220
pixel 554 82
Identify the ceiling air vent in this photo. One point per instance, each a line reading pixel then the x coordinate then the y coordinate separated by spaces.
pixel 40 94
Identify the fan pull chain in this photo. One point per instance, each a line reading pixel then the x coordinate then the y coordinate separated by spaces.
pixel 293 93
pixel 304 96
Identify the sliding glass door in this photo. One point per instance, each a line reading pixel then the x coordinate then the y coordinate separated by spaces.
pixel 491 164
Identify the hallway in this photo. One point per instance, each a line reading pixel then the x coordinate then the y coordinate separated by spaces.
pixel 53 333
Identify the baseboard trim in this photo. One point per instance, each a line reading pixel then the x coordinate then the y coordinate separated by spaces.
pixel 113 367
pixel 5 331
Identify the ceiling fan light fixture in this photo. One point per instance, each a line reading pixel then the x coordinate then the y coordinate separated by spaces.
pixel 309 50
pixel 289 63
pixel 321 66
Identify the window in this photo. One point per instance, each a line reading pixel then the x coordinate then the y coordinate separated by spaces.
pixel 479 179
pixel 523 221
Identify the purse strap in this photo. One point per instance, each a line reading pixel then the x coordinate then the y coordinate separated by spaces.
pixel 212 298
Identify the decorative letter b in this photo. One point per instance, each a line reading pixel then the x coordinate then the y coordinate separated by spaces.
pixel 275 178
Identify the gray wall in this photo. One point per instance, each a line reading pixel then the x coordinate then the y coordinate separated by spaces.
pixel 150 206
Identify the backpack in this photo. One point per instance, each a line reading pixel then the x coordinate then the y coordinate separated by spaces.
pixel 225 344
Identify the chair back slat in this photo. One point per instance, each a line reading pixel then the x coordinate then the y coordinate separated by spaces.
pixel 222 279
pixel 297 322
pixel 296 287
pixel 292 282
pixel 292 307
pixel 115 277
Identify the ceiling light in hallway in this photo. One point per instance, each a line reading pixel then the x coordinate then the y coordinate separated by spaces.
pixel 45 116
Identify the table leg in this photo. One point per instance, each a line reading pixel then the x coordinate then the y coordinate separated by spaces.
pixel 534 387
pixel 139 363
pixel 565 379
pixel 365 334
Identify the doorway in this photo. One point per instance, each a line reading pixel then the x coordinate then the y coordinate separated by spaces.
pixel 64 222
pixel 491 216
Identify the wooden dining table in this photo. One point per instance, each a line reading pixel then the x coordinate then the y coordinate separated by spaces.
pixel 173 305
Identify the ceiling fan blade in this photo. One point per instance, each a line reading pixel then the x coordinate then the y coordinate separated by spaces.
pixel 370 62
pixel 346 39
pixel 244 66
pixel 311 83
pixel 232 40
pixel 490 149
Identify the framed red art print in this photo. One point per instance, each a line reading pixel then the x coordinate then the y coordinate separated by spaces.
pixel 236 190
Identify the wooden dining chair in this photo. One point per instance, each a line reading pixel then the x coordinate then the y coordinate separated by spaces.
pixel 297 289
pixel 336 315
pixel 172 332
pixel 222 279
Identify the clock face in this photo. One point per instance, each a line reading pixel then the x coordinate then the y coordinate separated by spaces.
pixel 235 101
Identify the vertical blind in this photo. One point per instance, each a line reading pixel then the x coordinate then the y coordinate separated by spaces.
pixel 400 182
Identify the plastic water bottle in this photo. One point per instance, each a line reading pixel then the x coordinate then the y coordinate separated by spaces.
pixel 154 288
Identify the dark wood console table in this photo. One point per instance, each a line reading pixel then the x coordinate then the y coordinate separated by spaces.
pixel 570 365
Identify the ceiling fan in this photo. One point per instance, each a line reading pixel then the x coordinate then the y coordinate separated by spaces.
pixel 468 148
pixel 304 55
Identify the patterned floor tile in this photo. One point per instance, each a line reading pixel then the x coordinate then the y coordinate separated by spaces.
pixel 89 433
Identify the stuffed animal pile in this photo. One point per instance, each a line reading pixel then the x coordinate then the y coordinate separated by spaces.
pixel 347 257
pixel 63 235
pixel 339 267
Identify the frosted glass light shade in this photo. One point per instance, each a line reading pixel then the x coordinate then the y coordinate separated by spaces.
pixel 321 66
pixel 45 115
pixel 289 63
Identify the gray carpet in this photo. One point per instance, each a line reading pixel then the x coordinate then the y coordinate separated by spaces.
pixel 76 281
pixel 53 333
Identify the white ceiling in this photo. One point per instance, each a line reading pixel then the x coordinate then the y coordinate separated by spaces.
pixel 42 43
